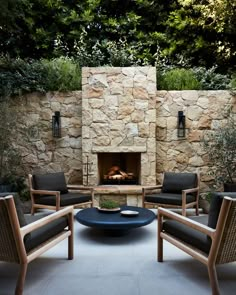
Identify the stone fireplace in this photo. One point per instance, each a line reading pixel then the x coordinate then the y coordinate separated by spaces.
pixel 119 125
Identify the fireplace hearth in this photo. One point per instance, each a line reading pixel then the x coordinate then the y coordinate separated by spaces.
pixel 119 168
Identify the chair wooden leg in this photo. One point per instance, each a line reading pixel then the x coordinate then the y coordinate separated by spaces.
pixel 197 209
pixel 160 249
pixel 32 210
pixel 213 280
pixel 183 211
pixel 71 237
pixel 70 247
pixel 159 240
pixel 21 279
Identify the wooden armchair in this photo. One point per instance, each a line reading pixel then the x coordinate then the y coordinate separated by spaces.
pixel 178 190
pixel 21 242
pixel 210 239
pixel 50 191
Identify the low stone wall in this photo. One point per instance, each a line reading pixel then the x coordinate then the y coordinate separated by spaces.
pixel 40 150
pixel 204 111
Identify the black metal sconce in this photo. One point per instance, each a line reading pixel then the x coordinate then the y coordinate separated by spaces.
pixel 56 125
pixel 181 124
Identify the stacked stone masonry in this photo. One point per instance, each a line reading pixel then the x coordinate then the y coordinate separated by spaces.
pixel 119 109
pixel 119 115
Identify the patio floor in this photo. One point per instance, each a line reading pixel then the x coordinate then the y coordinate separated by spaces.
pixel 123 265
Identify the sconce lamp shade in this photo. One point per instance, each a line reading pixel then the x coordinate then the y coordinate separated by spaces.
pixel 181 124
pixel 56 125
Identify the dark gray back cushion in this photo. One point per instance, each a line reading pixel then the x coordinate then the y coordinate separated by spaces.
pixel 176 182
pixel 215 206
pixel 50 181
pixel 18 205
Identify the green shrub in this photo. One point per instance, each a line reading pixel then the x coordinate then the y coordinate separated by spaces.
pixel 120 53
pixel 19 76
pixel 210 79
pixel 206 196
pixel 88 56
pixel 233 82
pixel 220 147
pixel 62 74
pixel 178 79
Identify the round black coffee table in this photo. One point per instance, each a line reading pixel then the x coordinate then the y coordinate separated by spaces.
pixel 115 221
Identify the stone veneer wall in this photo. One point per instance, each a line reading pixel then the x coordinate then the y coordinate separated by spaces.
pixel 119 115
pixel 204 111
pixel 41 152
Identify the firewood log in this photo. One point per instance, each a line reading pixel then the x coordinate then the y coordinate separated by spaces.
pixel 117 176
pixel 113 170
pixel 124 174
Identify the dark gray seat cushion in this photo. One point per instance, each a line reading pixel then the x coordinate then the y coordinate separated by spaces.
pixel 50 181
pixel 167 198
pixel 66 199
pixel 215 206
pixel 193 237
pixel 45 232
pixel 189 235
pixel 176 182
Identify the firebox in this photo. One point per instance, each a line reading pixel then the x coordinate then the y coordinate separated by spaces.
pixel 119 168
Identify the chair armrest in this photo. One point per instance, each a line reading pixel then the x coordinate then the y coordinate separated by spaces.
pixel 44 192
pixel 150 188
pixel 186 221
pixel 79 187
pixel 45 220
pixel 191 190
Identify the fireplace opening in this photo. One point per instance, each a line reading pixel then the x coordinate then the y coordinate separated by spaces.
pixel 119 168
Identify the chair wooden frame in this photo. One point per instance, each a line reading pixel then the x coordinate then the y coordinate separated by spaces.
pixel 16 252
pixel 184 206
pixel 57 195
pixel 223 240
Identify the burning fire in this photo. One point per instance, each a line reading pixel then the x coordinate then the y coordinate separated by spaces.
pixel 116 173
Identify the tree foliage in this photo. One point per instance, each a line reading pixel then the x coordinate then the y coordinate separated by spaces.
pixel 202 32
pixel 207 29
pixel 221 148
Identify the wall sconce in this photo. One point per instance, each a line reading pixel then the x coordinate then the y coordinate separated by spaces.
pixel 181 124
pixel 56 125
